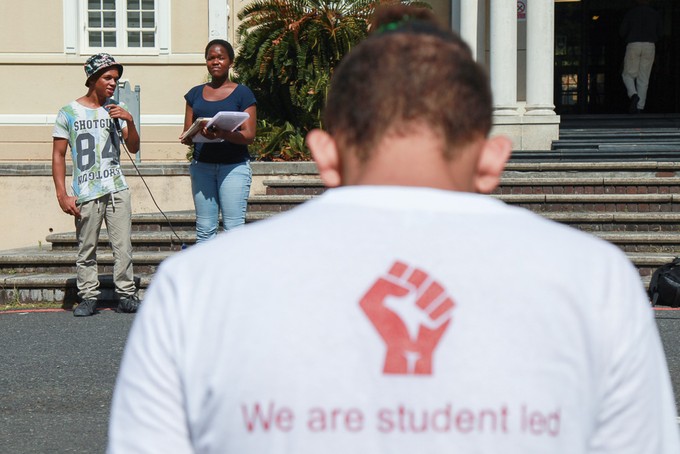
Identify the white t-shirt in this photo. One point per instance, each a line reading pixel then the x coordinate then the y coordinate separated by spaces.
pixel 396 320
pixel 95 150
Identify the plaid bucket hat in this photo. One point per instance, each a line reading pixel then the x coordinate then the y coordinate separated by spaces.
pixel 100 62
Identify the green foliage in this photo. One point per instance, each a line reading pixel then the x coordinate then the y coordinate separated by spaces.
pixel 289 49
pixel 280 142
pixel 287 54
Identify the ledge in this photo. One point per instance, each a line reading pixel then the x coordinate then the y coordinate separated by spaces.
pixel 42 59
pixel 15 169
pixel 48 119
pixel 526 120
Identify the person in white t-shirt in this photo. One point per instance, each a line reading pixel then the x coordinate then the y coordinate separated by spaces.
pixel 403 311
pixel 91 127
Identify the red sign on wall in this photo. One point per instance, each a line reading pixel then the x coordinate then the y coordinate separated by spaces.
pixel 522 9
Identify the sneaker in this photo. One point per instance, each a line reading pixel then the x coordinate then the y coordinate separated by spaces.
pixel 128 304
pixel 632 107
pixel 86 308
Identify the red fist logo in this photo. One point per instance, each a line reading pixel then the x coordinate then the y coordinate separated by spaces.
pixel 410 311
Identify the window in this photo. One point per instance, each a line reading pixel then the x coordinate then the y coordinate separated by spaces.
pixel 92 26
pixel 121 26
pixel 141 23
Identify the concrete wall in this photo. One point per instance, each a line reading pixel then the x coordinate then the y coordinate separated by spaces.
pixel 189 33
pixel 38 76
pixel 31 26
pixel 31 211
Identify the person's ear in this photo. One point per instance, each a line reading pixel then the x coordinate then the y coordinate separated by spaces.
pixel 325 154
pixel 493 157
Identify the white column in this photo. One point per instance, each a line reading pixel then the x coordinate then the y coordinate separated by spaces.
pixel 503 59
pixel 71 23
pixel 540 57
pixel 468 24
pixel 164 25
pixel 218 17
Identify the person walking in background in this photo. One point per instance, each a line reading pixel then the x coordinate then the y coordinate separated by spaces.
pixel 100 192
pixel 404 311
pixel 641 29
pixel 220 170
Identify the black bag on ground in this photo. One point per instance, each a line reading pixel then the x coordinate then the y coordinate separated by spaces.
pixel 664 288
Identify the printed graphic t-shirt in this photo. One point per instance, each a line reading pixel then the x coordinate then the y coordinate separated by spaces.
pixel 95 150
pixel 396 320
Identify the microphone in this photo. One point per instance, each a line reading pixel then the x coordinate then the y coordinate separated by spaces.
pixel 116 124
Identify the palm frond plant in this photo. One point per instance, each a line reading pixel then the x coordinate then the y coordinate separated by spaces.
pixel 280 142
pixel 287 54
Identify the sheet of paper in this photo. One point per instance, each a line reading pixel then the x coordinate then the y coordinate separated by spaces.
pixel 195 127
pixel 223 120
pixel 228 120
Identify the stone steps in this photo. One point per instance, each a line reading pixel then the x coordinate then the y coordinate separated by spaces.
pixel 631 204
pixel 614 140
pixel 599 122
pixel 541 203
pixel 181 221
pixel 31 260
pixel 654 137
pixel 618 221
pixel 576 202
pixel 275 203
pixel 150 232
pixel 59 288
pixel 141 240
pixel 36 260
pixel 618 134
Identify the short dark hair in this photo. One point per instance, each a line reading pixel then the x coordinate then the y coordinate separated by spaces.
pixel 223 43
pixel 408 73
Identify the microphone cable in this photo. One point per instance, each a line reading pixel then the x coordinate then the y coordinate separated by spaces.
pixel 134 164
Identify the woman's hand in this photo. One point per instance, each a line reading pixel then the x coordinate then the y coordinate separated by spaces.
pixel 213 133
pixel 187 139
pixel 223 134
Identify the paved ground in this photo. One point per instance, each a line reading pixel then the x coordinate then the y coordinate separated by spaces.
pixel 57 373
pixel 669 327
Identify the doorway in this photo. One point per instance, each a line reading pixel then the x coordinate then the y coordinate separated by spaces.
pixel 589 57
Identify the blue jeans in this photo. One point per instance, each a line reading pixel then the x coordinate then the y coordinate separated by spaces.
pixel 219 187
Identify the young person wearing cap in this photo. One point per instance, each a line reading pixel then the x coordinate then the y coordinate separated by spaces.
pixel 404 312
pixel 90 126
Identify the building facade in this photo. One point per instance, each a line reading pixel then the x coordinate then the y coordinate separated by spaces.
pixel 544 57
pixel 572 69
pixel 44 44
